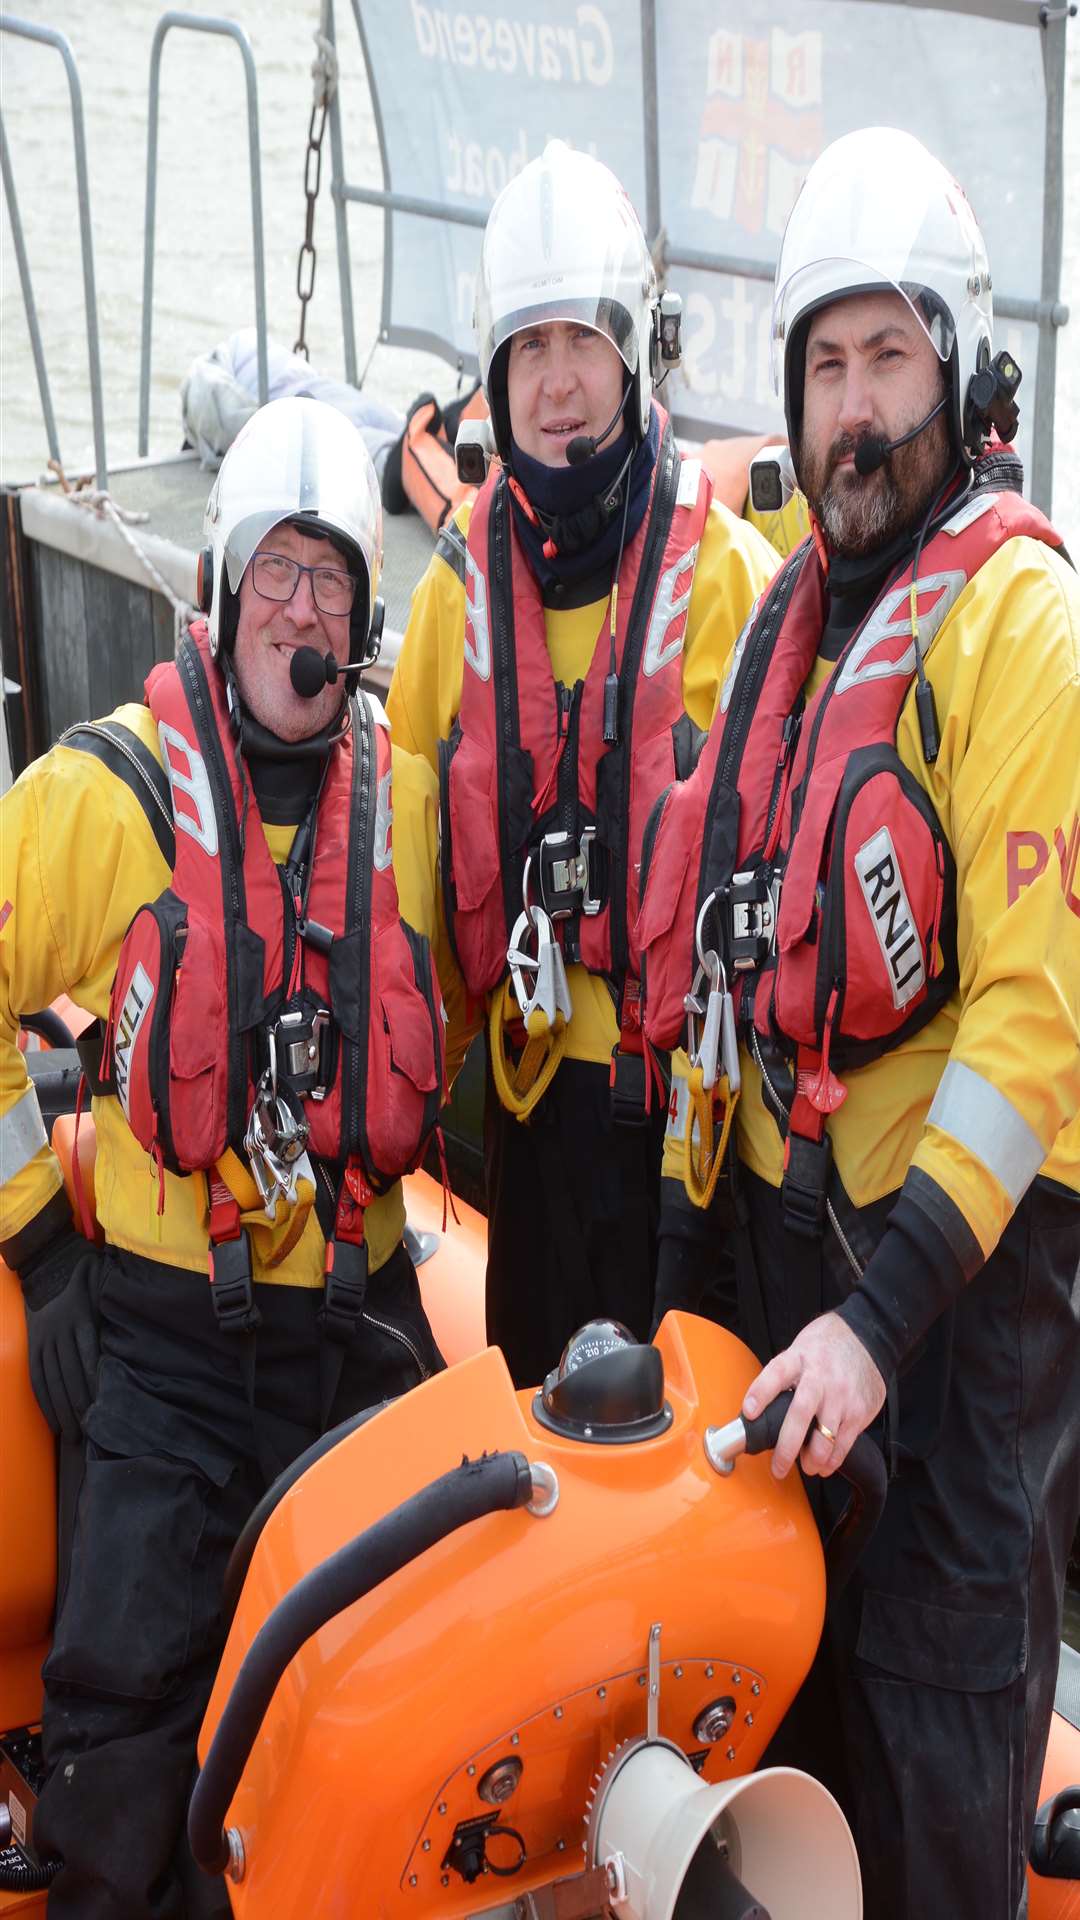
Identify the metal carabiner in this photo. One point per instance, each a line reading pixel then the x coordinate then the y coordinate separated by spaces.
pixel 707 904
pixel 549 993
pixel 710 1024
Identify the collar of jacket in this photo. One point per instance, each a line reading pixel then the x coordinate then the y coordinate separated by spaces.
pixel 567 501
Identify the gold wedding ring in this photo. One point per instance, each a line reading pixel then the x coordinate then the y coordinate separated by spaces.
pixel 826 1432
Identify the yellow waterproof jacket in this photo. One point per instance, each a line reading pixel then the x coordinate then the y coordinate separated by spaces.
pixel 77 858
pixel 988 1093
pixel 734 564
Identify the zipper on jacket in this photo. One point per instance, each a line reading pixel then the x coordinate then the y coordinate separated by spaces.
pixel 763 639
pixel 102 733
pixel 661 514
pixel 358 914
pixel 384 1326
pixel 788 742
pixel 505 670
pixel 395 1333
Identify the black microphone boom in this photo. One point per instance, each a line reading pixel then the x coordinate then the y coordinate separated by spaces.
pixel 584 445
pixel 873 450
pixel 310 671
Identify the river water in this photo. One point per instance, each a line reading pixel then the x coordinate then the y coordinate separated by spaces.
pixel 203 282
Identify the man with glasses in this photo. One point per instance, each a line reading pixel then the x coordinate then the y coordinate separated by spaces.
pixel 213 875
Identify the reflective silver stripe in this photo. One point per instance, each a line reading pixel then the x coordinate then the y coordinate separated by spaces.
pixel 22 1135
pixel 977 1114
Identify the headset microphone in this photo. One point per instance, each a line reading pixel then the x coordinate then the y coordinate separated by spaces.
pixel 873 451
pixel 584 445
pixel 310 671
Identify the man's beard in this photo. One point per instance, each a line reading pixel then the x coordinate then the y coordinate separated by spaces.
pixel 856 514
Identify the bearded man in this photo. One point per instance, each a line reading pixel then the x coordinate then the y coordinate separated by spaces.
pixel 868 846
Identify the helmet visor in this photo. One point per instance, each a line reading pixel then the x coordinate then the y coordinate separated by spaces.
pixel 601 315
pixel 895 222
pixel 296 460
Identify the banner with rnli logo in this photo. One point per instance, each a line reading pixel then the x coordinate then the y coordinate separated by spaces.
pixel 711 117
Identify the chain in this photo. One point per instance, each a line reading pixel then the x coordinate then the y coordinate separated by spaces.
pixel 324 74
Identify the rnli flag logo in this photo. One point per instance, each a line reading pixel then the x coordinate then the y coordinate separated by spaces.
pixel 761 126
pixel 879 876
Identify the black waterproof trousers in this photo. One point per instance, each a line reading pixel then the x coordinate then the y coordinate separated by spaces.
pixel 573 1210
pixel 175 1460
pixel 928 1710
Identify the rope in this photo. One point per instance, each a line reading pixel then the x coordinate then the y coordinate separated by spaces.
pixel 324 67
pixel 99 501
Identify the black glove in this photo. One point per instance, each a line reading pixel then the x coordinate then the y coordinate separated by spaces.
pixel 61 1328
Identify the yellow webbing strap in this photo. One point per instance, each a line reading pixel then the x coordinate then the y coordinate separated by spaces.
pixel 272 1240
pixel 703 1153
pixel 520 1085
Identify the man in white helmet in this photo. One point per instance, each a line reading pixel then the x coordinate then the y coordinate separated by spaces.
pixel 895 895
pixel 562 654
pixel 213 874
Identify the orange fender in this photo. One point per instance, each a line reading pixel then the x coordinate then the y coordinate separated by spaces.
pixel 428 468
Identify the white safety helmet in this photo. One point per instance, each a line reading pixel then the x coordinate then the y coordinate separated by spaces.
pixel 301 461
pixel 563 242
pixel 878 211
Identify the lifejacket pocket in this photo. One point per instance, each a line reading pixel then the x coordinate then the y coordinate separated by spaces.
pixel 473 851
pixel 168 1025
pixel 198 1050
pixel 405 1050
pixel 137 1034
pixel 665 965
pixel 868 907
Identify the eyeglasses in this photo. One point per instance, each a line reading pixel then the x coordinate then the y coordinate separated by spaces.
pixel 275 577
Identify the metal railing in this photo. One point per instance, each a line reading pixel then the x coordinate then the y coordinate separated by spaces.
pixel 48 37
pixel 200 23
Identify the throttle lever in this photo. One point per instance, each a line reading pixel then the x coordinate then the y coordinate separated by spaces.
pixel 863 1469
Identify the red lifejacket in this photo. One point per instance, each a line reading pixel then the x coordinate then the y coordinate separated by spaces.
pixel 207 970
pixel 830 881
pixel 527 757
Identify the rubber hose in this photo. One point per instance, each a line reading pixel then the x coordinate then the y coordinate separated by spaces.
pixel 248 1538
pixel 493 1484
pixel 27 1876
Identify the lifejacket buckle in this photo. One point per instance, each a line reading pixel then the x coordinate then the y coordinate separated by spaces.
pixel 298 1049
pixel 804 1190
pixel 565 879
pixel 231 1289
pixel 345 1288
pixel 549 993
pixel 754 903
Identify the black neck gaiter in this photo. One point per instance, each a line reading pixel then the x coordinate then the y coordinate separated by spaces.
pixel 572 505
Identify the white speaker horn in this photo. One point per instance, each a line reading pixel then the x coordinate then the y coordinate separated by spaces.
pixel 766 1846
